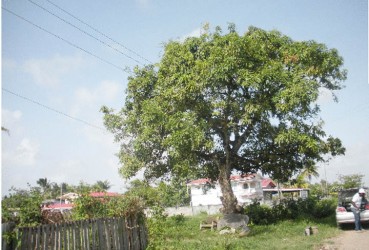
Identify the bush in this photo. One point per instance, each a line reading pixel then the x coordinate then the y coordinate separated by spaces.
pixel 87 207
pixel 325 208
pixel 293 209
pixel 157 225
pixel 126 206
pixel 260 214
pixel 306 206
pixel 25 204
pixel 178 219
pixel 290 209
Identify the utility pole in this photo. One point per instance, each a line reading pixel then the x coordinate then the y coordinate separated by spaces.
pixel 61 192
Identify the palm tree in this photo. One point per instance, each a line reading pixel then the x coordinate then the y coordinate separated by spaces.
pixel 309 170
pixel 43 183
pixel 102 185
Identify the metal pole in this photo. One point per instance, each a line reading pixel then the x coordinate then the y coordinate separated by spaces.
pixel 61 192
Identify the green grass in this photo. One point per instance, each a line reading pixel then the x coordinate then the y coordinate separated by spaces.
pixel 184 233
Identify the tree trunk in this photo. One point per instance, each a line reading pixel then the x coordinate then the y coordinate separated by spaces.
pixel 279 191
pixel 228 199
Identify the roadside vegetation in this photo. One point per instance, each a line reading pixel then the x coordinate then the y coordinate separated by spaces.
pixel 215 104
pixel 275 232
pixel 281 225
pixel 226 102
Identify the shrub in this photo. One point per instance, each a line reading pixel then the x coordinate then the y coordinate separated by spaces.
pixel 126 206
pixel 25 204
pixel 325 208
pixel 157 225
pixel 178 219
pixel 306 206
pixel 287 209
pixel 87 207
pixel 290 209
pixel 260 214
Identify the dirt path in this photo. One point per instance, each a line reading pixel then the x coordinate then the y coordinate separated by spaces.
pixel 348 240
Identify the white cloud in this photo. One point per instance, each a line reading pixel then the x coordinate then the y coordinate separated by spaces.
pixel 9 118
pixel 73 171
pixel 69 171
pixel 143 3
pixel 24 154
pixel 17 149
pixel 355 161
pixel 109 90
pixel 8 64
pixel 106 91
pixel 325 96
pixel 87 98
pixel 27 151
pixel 194 33
pixel 48 72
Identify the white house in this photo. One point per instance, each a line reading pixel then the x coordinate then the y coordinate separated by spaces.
pixel 246 188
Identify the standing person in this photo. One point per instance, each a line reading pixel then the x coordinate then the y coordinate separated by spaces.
pixel 356 201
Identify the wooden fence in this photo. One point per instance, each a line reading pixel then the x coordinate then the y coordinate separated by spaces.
pixel 94 234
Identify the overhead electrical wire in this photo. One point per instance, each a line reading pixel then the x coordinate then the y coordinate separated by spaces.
pixel 52 109
pixel 75 46
pixel 98 31
pixel 68 42
pixel 83 31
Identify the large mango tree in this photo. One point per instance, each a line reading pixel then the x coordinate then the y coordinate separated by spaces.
pixel 223 103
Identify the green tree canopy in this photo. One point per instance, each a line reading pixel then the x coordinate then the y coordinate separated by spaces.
pixel 101 186
pixel 161 194
pixel 351 181
pixel 43 183
pixel 26 202
pixel 227 102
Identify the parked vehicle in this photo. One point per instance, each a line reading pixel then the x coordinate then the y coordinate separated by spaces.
pixel 344 215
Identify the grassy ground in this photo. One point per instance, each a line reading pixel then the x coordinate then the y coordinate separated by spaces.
pixel 184 233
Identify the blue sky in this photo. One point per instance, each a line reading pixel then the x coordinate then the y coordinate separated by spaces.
pixel 55 78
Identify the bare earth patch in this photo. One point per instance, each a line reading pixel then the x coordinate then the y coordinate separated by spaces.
pixel 348 240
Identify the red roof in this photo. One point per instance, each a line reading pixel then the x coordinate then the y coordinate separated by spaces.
pixel 199 181
pixel 103 194
pixel 233 178
pixel 59 206
pixel 243 177
pixel 267 182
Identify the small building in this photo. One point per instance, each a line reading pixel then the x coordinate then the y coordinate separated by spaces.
pixel 246 188
pixel 62 207
pixel 292 193
pixel 68 198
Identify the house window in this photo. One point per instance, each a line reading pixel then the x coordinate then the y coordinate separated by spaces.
pixel 234 185
pixel 206 188
pixel 303 194
pixel 252 185
pixel 245 186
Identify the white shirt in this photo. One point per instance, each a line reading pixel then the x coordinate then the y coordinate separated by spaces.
pixel 357 200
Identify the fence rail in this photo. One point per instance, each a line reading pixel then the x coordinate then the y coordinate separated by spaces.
pixel 93 234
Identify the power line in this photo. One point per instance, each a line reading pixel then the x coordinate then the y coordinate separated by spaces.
pixel 52 109
pixel 66 41
pixel 96 30
pixel 83 31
